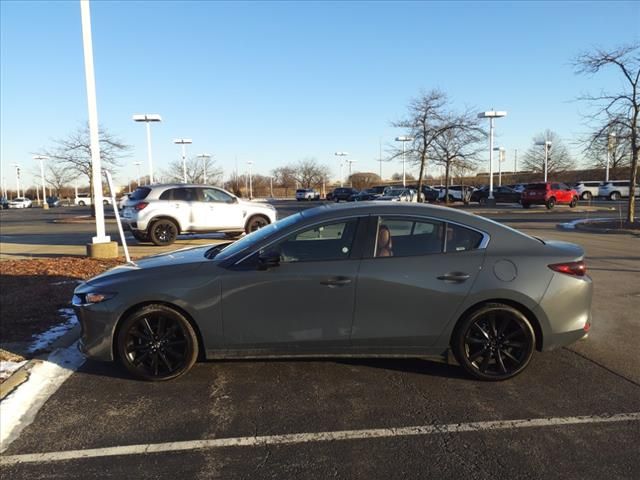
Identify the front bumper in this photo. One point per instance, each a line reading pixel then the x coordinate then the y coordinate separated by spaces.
pixel 97 330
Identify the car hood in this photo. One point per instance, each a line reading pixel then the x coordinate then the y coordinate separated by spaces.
pixel 178 261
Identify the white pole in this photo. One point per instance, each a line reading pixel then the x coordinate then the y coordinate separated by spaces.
pixel 404 173
pixel 204 167
pixel 271 186
pixel 380 156
pixel 45 205
pixel 515 161
pixel 18 181
pixel 184 162
pixel 500 157
pixel 96 170
pixel 250 182
pixel 149 155
pixel 341 172
pixel 546 154
pixel 491 158
pixel 117 214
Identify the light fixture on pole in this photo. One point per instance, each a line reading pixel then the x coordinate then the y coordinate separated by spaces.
pixel 491 115
pixel 17 179
pixel 250 181
pixel 147 118
pixel 42 158
pixel 404 140
pixel 611 138
pixel 341 154
pixel 501 157
pixel 137 164
pixel 547 146
pixel 204 157
pixel 183 142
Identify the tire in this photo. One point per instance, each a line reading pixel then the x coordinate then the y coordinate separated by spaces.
pixel 163 232
pixel 105 202
pixel 586 196
pixel 482 201
pixel 526 205
pixel 140 236
pixel 494 342
pixel 614 196
pixel 81 203
pixel 574 202
pixel 157 343
pixel 551 203
pixel 256 223
pixel 233 235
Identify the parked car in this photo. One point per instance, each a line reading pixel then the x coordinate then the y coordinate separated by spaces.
pixel 616 189
pixel 549 194
pixel 343 193
pixel 53 202
pixel 378 189
pixel 429 194
pixel 500 194
pixel 159 213
pixel 84 199
pixel 20 202
pixel 4 203
pixel 518 187
pixel 332 280
pixel 307 194
pixel 364 195
pixel 457 193
pixel 398 194
pixel 587 190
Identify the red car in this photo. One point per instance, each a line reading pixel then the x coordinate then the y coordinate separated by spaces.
pixel 549 194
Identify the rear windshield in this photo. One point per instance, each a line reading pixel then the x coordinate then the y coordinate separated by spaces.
pixel 537 186
pixel 140 193
pixel 301 191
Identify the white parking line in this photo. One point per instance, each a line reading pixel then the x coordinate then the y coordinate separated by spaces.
pixel 295 438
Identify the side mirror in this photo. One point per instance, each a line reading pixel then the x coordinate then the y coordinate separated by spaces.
pixel 234 200
pixel 268 259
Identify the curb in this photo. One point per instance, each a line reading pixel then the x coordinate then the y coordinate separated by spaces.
pixel 88 219
pixel 21 375
pixel 583 226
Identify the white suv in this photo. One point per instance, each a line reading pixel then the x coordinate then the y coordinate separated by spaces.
pixel 587 190
pixel 616 189
pixel 307 194
pixel 159 213
pixel 83 199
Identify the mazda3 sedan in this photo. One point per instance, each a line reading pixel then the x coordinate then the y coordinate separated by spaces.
pixel 363 279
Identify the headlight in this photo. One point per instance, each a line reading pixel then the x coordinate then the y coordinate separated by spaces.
pixel 91 298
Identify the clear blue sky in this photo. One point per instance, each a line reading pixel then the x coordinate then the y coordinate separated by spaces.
pixel 275 82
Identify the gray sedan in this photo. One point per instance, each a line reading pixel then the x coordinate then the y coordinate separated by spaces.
pixel 365 279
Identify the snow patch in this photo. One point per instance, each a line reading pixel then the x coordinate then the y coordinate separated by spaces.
pixel 43 340
pixel 19 408
pixel 7 368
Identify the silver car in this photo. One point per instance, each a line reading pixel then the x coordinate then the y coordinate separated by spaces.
pixel 368 278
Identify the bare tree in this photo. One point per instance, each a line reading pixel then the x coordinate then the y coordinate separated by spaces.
pixel 623 105
pixel 74 152
pixel 398 176
pixel 458 145
pixel 195 171
pixel 559 158
pixel 362 180
pixel 57 176
pixel 284 177
pixel 309 173
pixel 614 142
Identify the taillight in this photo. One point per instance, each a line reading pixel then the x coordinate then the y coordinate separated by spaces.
pixel 141 205
pixel 578 269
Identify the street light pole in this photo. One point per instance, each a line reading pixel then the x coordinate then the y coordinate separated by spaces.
pixel 250 181
pixel 137 164
pixel 515 161
pixel 341 154
pixel 491 115
pixel 204 157
pixel 404 170
pixel 611 135
pixel 42 158
pixel 17 180
pixel 501 154
pixel 148 118
pixel 183 142
pixel 350 162
pixel 547 145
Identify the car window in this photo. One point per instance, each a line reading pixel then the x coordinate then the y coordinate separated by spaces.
pixel 184 194
pixel 215 195
pixel 331 241
pixel 461 239
pixel 400 237
pixel 139 193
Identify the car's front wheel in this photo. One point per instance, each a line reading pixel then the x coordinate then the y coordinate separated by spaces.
pixel 494 342
pixel 614 196
pixel 163 232
pixel 574 202
pixel 256 223
pixel 551 203
pixel 586 196
pixel 157 343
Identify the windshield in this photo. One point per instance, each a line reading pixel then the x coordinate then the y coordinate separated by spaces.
pixel 140 193
pixel 394 192
pixel 257 236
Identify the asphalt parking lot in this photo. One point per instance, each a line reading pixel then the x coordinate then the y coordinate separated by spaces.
pixel 572 414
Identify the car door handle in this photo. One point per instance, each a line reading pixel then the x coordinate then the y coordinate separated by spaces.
pixel 455 277
pixel 336 282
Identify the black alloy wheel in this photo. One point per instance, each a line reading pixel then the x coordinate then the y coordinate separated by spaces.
pixel 551 203
pixel 495 342
pixel 157 343
pixel 163 232
pixel 256 223
pixel 81 203
pixel 574 202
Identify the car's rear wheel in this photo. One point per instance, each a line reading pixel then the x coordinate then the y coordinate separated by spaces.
pixel 256 223
pixel 494 342
pixel 586 196
pixel 81 203
pixel 157 343
pixel 574 202
pixel 163 232
pixel 105 202
pixel 614 196
pixel 140 236
pixel 526 205
pixel 551 203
